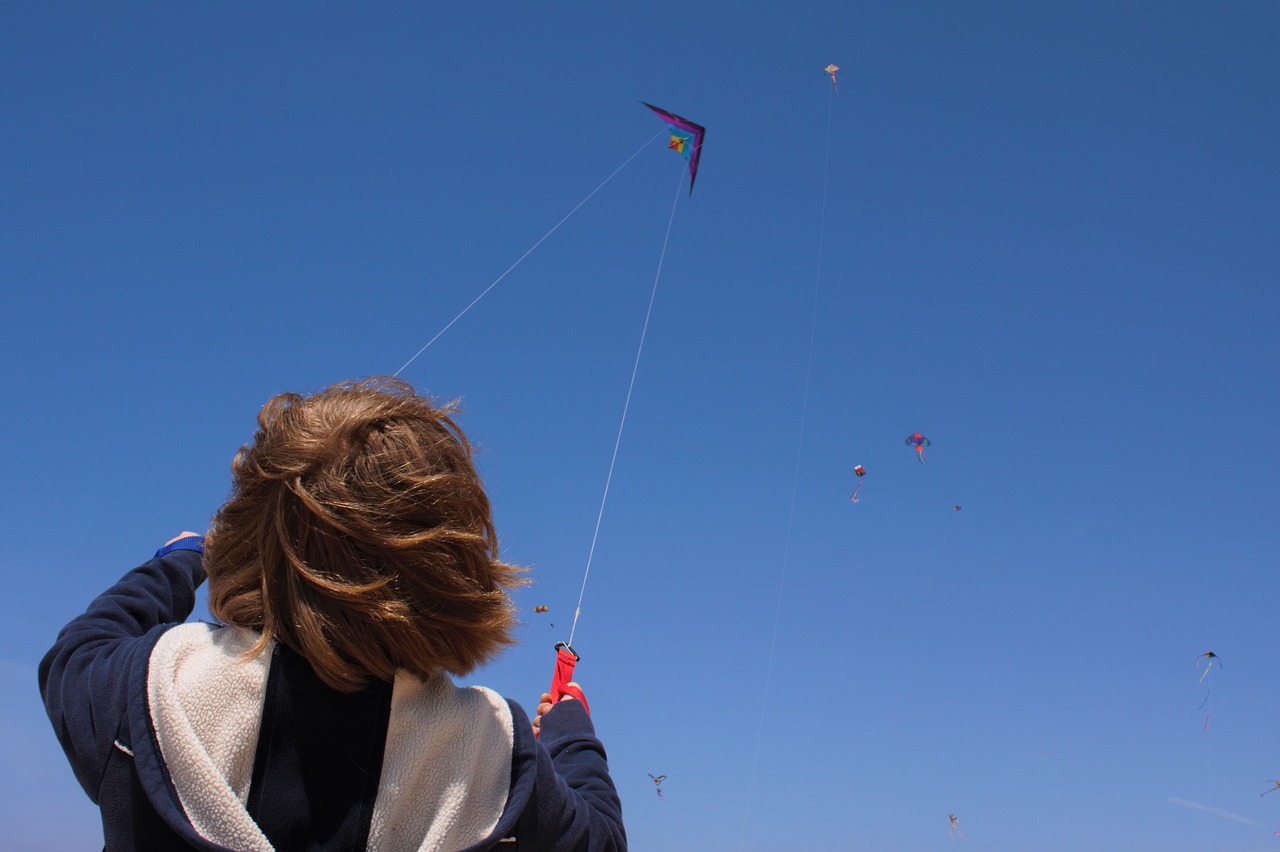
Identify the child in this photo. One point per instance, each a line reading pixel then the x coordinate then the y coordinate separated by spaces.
pixel 353 567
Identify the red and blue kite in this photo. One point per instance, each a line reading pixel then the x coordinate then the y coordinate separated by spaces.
pixel 686 139
pixel 919 442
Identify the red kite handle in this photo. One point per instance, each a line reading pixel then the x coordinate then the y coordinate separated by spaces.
pixel 566 660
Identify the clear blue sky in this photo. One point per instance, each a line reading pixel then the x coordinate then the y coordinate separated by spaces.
pixel 1051 243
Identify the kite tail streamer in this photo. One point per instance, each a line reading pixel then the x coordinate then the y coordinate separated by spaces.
pixel 528 252
pixel 626 406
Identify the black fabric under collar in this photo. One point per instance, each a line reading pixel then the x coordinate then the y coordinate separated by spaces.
pixel 319 759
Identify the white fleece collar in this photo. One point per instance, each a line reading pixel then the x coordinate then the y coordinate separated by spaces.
pixel 446 771
pixel 446 768
pixel 206 709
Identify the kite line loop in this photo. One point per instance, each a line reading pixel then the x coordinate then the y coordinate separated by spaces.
pixel 528 252
pixel 626 407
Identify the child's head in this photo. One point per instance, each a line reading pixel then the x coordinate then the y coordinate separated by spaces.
pixel 359 534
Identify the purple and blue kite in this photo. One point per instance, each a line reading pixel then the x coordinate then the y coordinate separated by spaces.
pixel 686 139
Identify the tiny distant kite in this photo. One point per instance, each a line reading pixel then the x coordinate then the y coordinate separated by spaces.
pixel 955 508
pixel 686 139
pixel 919 442
pixel 861 472
pixel 541 609
pixel 1209 657
pixel 832 69
pixel 1273 789
pixel 657 781
pixel 953 828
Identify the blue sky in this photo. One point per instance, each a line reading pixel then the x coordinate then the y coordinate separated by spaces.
pixel 1050 242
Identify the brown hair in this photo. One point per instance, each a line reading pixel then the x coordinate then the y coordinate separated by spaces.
pixel 359 534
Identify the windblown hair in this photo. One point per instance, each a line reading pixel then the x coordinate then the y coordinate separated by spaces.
pixel 359 534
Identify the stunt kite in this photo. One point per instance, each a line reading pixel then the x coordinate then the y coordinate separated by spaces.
pixel 686 139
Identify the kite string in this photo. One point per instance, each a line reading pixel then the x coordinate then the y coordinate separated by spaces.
pixel 1208 764
pixel 626 406
pixel 795 484
pixel 530 251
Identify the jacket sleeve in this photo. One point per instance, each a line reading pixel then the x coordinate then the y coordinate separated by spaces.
pixel 574 806
pixel 85 676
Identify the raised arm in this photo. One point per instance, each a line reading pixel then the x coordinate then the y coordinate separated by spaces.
pixel 84 678
pixel 562 797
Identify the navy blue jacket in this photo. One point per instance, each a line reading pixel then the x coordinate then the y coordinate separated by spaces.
pixel 304 793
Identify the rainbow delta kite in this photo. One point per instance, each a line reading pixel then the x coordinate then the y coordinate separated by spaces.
pixel 686 139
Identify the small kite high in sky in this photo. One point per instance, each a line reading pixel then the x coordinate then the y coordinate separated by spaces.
pixel 686 139
pixel 1273 789
pixel 1209 657
pixel 955 508
pixel 919 442
pixel 657 780
pixel 832 69
pixel 954 827
pixel 541 609
pixel 861 472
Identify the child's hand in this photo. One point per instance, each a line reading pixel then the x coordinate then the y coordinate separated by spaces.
pixel 544 705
